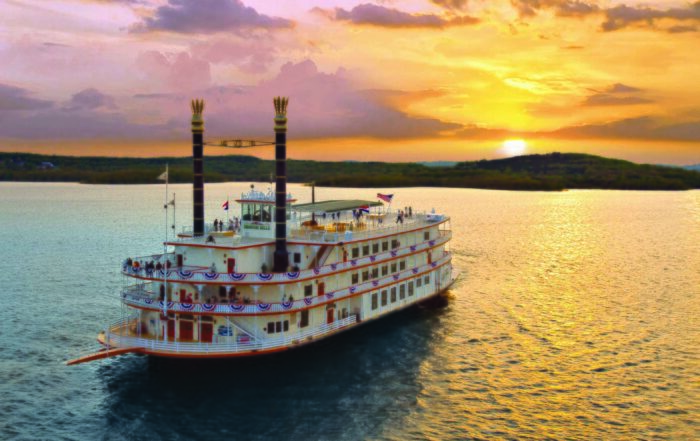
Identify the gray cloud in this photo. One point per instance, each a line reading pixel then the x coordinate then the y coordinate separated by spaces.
pixel 15 98
pixel 622 16
pixel 564 8
pixel 90 99
pixel 645 127
pixel 616 95
pixel 452 5
pixel 370 14
pixel 208 16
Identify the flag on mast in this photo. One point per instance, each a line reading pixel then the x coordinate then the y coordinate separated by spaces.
pixel 164 176
pixel 225 206
pixel 385 197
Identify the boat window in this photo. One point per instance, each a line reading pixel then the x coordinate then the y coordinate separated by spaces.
pixel 410 288
pixel 374 301
pixel 426 235
pixel 385 245
pixel 278 327
pixel 285 325
pixel 297 257
pixel 365 275
pixel 375 273
pixel 426 279
pixel 385 270
pixel 393 267
pixel 308 290
pixel 384 298
pixel 270 327
pixel 304 319
pixel 402 291
pixel 419 282
pixel 355 252
pixel 402 265
pixel 355 279
pixel 393 294
pixel 375 248
pixel 365 250
pixel 394 243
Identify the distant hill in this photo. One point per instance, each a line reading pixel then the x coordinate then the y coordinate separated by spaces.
pixel 554 171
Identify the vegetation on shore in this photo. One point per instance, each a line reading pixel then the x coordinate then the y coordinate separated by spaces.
pixel 554 171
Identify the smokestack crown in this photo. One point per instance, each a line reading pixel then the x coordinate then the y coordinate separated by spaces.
pixel 280 103
pixel 197 121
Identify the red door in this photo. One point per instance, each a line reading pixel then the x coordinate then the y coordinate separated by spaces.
pixel 185 330
pixel 207 332
pixel 330 315
pixel 321 288
pixel 171 329
pixel 430 257
pixel 231 265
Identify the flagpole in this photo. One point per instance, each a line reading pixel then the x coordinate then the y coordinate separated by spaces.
pixel 165 252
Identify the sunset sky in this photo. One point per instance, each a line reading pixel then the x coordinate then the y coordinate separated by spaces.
pixel 412 80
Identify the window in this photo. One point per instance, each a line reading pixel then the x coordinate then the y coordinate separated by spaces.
pixel 384 298
pixel 393 267
pixel 355 279
pixel 410 288
pixel 385 270
pixel 426 235
pixel 275 327
pixel 402 291
pixel 385 246
pixel 355 252
pixel 419 282
pixel 374 301
pixel 365 250
pixel 375 248
pixel 297 257
pixel 375 273
pixel 393 295
pixel 426 279
pixel 402 265
pixel 365 275
pixel 394 243
pixel 308 290
pixel 304 320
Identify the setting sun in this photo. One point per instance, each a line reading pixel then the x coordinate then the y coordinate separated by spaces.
pixel 514 147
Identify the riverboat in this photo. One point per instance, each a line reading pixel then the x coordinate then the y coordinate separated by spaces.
pixel 281 276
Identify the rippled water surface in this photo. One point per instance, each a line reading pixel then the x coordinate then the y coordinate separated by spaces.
pixel 577 317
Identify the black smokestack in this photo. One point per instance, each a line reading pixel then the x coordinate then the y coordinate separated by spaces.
pixel 198 167
pixel 281 258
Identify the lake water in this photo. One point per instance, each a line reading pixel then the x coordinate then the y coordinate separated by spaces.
pixel 577 317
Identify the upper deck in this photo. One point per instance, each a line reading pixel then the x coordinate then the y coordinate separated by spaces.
pixel 342 227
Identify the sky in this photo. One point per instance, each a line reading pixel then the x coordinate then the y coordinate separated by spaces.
pixel 388 80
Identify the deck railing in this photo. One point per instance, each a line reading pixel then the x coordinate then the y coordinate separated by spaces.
pixel 115 337
pixel 198 274
pixel 145 299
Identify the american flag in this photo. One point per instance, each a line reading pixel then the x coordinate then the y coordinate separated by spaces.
pixel 225 206
pixel 385 197
pixel 364 208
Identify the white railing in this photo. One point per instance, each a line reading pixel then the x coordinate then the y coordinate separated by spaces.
pixel 136 299
pixel 114 339
pixel 196 274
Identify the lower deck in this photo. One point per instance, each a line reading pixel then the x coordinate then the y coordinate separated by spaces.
pixel 251 336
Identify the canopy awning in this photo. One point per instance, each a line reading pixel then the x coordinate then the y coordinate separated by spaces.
pixel 334 206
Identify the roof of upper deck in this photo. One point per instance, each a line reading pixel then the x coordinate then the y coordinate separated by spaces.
pixel 335 205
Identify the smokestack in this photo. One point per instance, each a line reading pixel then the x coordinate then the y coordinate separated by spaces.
pixel 281 258
pixel 198 167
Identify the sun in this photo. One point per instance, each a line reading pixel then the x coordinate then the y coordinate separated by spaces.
pixel 514 147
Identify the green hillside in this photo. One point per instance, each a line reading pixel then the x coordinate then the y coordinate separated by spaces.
pixel 555 171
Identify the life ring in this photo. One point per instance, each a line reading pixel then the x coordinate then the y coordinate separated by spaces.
pixel 136 264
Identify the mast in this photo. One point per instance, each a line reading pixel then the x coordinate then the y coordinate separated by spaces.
pixel 165 252
pixel 198 167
